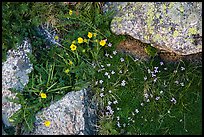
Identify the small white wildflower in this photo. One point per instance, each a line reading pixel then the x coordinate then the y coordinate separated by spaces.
pixel 109 76
pixel 108 107
pixel 149 71
pixel 180 120
pixel 153 75
pixel 123 83
pixel 176 82
pixel 100 81
pixel 136 60
pixel 151 95
pixel 157 98
pixel 142 104
pixel 118 108
pixel 115 102
pixel 136 111
pixel 106 74
pixel 101 94
pixel 122 59
pixel 168 111
pixel 165 68
pixel 133 121
pixel 102 89
pixel 128 124
pixel 118 118
pixel 145 78
pixel 148 100
pixel 109 102
pixel 155 79
pixel 110 91
pixel 175 71
pixel 146 95
pixel 118 124
pixel 182 84
pixel 173 100
pixel 112 72
pixel 161 92
pixel 102 66
pixel 109 44
pixel 129 118
pixel 96 83
pixel 106 54
pixel 107 113
pixel 161 63
pixel 182 68
pixel 108 65
pixel 111 112
pixel 120 72
pixel 111 56
pixel 124 125
pixel 114 52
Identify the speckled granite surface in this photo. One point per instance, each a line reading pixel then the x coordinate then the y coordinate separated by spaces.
pixel 173 25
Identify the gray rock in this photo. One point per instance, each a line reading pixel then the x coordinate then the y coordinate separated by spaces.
pixel 15 72
pixel 72 115
pixel 174 26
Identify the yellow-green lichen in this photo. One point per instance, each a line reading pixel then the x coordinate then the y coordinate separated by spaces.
pixel 192 31
pixel 175 34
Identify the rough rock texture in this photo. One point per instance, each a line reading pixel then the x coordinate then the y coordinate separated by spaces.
pixel 174 26
pixel 74 114
pixel 14 75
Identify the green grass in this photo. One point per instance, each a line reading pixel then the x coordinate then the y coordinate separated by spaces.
pixel 118 82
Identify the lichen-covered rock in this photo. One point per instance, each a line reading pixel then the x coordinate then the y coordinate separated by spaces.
pixel 74 114
pixel 14 75
pixel 175 26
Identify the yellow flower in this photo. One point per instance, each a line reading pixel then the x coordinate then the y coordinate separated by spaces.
pixel 47 123
pixel 70 12
pixel 102 42
pixel 56 37
pixel 73 47
pixel 66 71
pixel 94 34
pixel 43 95
pixel 70 62
pixel 85 40
pixel 89 34
pixel 80 40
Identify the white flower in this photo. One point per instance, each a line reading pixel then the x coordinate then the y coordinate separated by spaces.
pixel 145 78
pixel 111 112
pixel 129 118
pixel 96 83
pixel 114 52
pixel 118 124
pixel 146 95
pixel 101 94
pixel 124 125
pixel 161 63
pixel 112 72
pixel 111 57
pixel 168 111
pixel 108 65
pixel 142 104
pixel 182 84
pixel 136 60
pixel 157 98
pixel 136 111
pixel 120 72
pixel 102 89
pixel 118 108
pixel 109 102
pixel 115 102
pixel 155 79
pixel 148 100
pixel 148 71
pixel 161 92
pixel 122 59
pixel 108 107
pixel 123 83
pixel 175 71
pixel 176 82
pixel 118 118
pixel 173 100
pixel 109 91
pixel 100 81
pixel 102 66
pixel 109 76
pixel 165 68
pixel 109 44
pixel 182 68
pixel 133 113
pixel 106 74
pixel 106 54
